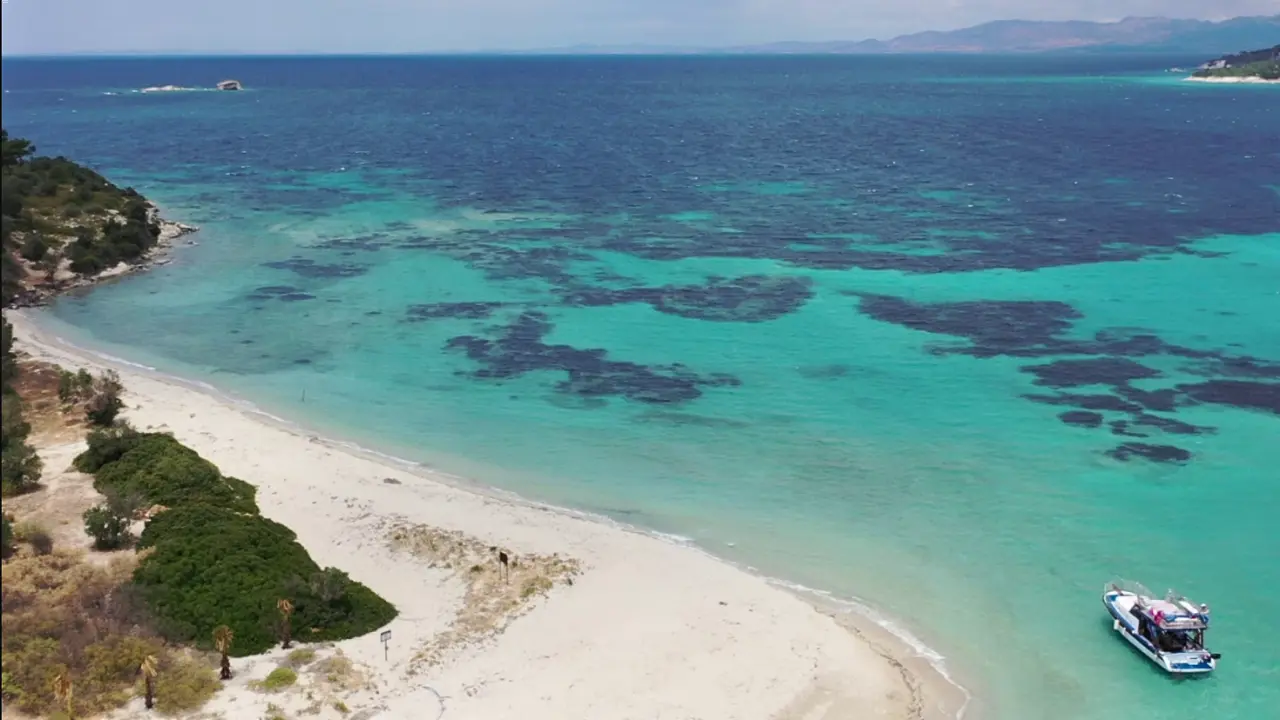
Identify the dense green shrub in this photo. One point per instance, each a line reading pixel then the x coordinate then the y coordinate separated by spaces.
pixel 6 536
pixel 214 560
pixel 211 566
pixel 63 197
pixel 11 272
pixel 163 471
pixel 108 527
pixel 19 465
pixel 34 247
pixel 74 386
pixel 107 445
pixel 8 363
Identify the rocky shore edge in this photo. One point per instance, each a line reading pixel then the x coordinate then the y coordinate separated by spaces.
pixel 64 280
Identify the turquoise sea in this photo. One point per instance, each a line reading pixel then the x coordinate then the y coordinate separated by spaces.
pixel 963 338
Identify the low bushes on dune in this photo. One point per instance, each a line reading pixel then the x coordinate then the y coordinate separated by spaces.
pixel 160 470
pixel 212 560
pixel 211 566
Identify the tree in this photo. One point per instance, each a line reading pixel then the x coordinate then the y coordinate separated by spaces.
pixel 148 668
pixel 108 523
pixel 105 403
pixel 6 537
pixel 19 464
pixel 108 528
pixel 15 151
pixel 63 691
pixel 222 637
pixel 8 363
pixel 286 609
pixel 34 247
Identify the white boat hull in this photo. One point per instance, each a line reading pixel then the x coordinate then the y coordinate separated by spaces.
pixel 1119 603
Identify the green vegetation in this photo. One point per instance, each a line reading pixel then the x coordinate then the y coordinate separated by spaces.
pixel 278 679
pixel 108 525
pixel 74 387
pixel 216 561
pixel 6 537
pixel 104 403
pixel 1263 64
pixel 214 566
pixel 160 471
pixel 19 464
pixel 54 209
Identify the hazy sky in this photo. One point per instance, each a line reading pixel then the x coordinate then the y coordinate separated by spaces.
pixel 66 26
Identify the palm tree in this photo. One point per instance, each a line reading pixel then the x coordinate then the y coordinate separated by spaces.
pixel 148 670
pixel 222 637
pixel 63 691
pixel 286 609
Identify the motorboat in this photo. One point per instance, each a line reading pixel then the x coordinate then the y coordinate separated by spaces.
pixel 1169 631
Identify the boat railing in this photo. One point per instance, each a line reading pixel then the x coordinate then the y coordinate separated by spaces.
pixel 1129 586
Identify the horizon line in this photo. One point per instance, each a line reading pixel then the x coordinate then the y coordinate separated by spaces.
pixel 569 52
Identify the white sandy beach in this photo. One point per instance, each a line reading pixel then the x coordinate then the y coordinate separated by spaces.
pixel 1235 80
pixel 649 628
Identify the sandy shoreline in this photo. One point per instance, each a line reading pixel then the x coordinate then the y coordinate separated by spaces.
pixel 649 629
pixel 1234 80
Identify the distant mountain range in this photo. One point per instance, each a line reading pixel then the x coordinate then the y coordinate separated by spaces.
pixel 1138 34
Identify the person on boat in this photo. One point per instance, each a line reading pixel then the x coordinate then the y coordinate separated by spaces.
pixel 1172 642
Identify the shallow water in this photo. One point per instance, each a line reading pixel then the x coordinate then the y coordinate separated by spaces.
pixel 820 315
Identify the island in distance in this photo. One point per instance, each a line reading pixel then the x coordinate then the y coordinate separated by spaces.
pixel 1131 34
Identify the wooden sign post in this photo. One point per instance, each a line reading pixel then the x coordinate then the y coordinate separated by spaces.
pixel 386 638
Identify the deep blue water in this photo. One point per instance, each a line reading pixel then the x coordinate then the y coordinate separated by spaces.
pixel 962 337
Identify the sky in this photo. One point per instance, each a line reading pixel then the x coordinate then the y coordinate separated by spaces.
pixel 358 26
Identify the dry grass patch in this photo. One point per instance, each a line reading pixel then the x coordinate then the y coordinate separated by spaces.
pixel 494 595
pixel 62 615
pixel 185 682
pixel 52 419
pixel 338 674
pixel 300 657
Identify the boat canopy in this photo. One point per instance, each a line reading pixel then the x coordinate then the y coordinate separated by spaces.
pixel 1174 614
